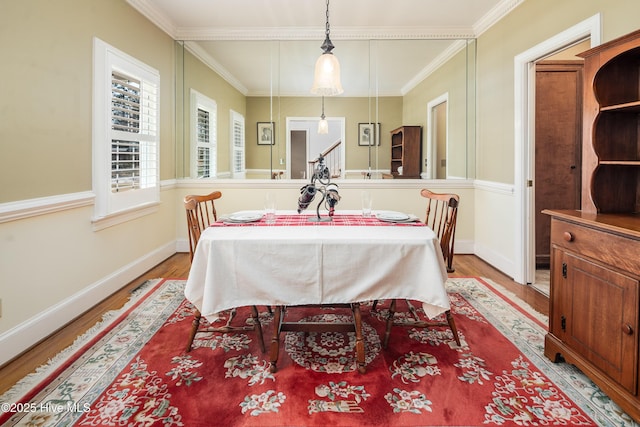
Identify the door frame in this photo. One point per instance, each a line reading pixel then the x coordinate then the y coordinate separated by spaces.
pixel 290 152
pixel 341 120
pixel 432 146
pixel 524 115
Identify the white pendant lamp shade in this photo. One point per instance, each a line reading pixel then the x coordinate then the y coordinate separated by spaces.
pixel 326 80
pixel 323 126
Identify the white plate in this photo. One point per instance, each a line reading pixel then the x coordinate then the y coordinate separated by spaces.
pixel 392 216
pixel 245 216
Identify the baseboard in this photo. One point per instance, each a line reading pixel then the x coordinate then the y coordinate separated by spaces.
pixel 464 247
pixel 20 338
pixel 495 259
pixel 182 245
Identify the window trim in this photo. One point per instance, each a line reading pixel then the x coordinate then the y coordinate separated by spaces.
pixel 113 208
pixel 235 117
pixel 198 100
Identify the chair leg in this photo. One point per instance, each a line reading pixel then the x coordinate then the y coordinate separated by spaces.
pixel 360 350
pixel 258 326
pixel 194 328
pixel 375 303
pixel 275 339
pixel 387 332
pixel 452 325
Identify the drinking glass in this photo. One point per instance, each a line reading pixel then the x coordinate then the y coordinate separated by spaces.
pixel 270 208
pixel 367 202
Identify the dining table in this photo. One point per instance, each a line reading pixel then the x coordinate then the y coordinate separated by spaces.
pixel 294 260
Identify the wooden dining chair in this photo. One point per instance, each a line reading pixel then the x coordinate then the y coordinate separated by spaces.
pixel 201 213
pixel 441 216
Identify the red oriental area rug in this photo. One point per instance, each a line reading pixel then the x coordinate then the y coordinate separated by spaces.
pixel 134 372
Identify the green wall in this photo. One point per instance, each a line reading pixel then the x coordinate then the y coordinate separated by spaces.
pixel 528 25
pixel 46 102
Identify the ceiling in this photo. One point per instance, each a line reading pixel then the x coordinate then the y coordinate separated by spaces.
pixel 270 46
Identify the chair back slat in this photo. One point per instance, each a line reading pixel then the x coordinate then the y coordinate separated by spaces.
pixel 441 217
pixel 201 213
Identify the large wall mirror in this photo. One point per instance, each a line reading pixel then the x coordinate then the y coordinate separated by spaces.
pixel 244 110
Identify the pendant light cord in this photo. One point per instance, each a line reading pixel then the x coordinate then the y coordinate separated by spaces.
pixel 327 46
pixel 327 25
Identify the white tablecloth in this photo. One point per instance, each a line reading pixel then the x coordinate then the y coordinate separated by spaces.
pixel 237 266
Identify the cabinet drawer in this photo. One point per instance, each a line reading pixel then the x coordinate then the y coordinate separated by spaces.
pixel 616 251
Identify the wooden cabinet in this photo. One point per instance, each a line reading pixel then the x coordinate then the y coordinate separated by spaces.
pixel 406 151
pixel 594 312
pixel 611 144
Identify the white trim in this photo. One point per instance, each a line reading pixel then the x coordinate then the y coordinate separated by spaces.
pixel 21 337
pixel 21 209
pixel 235 117
pixel 486 253
pixel 197 101
pixel 498 12
pixel 305 33
pixel 124 215
pixel 196 50
pixel 106 58
pixel 154 14
pixel 523 104
pixel 493 258
pixel 151 11
pixel 434 65
pixel 432 149
pixel 493 187
pixel 315 120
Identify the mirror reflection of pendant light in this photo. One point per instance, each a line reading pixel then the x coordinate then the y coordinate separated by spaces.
pixel 323 125
pixel 326 80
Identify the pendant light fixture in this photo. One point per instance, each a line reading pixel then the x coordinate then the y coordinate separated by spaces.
pixel 323 125
pixel 326 80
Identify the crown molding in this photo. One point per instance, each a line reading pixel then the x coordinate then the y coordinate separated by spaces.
pixel 355 33
pixel 501 10
pixel 151 12
pixel 155 15
pixel 449 53
pixel 202 55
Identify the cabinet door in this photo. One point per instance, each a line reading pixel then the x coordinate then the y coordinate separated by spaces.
pixel 602 318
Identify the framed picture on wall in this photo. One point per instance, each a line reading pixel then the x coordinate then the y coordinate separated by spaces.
pixel 266 133
pixel 368 134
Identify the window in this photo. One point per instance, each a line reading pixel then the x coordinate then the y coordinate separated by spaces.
pixel 238 169
pixel 204 119
pixel 125 133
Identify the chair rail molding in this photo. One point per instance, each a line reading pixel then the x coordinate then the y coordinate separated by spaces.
pixel 21 209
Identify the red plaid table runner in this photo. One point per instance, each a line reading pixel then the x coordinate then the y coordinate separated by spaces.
pixel 338 220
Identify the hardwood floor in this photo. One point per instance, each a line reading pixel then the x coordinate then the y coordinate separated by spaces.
pixel 177 266
pixel 471 265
